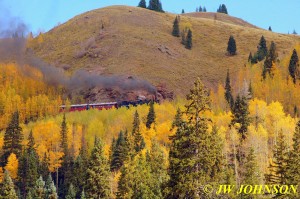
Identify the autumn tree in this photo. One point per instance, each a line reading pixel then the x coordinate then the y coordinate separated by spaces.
pixel 155 5
pixel 241 115
pixel 231 47
pixel 228 91
pixel 189 40
pixel 294 66
pixel 142 4
pixel 12 165
pixel 97 183
pixel 7 190
pixel 176 30
pixel 13 138
pixel 150 116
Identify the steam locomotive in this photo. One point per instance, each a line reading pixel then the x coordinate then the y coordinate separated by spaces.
pixel 102 106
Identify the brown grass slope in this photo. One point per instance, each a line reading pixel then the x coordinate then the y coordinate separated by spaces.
pixel 138 42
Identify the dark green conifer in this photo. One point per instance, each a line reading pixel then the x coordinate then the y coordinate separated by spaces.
pixel 231 47
pixel 97 183
pixel 222 9
pixel 262 49
pixel 204 9
pixel 13 138
pixel 270 60
pixel 250 58
pixel 176 31
pixel 150 116
pixel 50 189
pixel 119 155
pixel 71 194
pixel 139 143
pixel 189 40
pixel 241 115
pixel 294 66
pixel 293 170
pixel 228 91
pixel 182 11
pixel 155 5
pixel 7 190
pixel 142 4
pixel 200 9
pixel 39 191
pixel 270 29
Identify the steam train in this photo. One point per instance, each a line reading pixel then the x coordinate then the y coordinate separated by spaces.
pixel 102 106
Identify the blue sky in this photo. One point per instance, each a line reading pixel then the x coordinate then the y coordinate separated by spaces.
pixel 282 16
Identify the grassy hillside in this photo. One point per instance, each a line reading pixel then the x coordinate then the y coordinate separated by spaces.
pixel 137 42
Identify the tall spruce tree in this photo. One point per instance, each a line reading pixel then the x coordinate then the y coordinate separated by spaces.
pixel 269 61
pixel 270 28
pixel 293 170
pixel 97 183
pixel 50 189
pixel 222 9
pixel 142 4
pixel 189 40
pixel 7 190
pixel 176 30
pixel 119 156
pixel 190 160
pixel 71 194
pixel 39 191
pixel 231 47
pixel 139 143
pixel 278 168
pixel 28 167
pixel 228 91
pixel 150 116
pixel 182 11
pixel 241 115
pixel 262 49
pixel 294 66
pixel 13 138
pixel 155 5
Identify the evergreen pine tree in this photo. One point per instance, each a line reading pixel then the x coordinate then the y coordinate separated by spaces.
pixel 228 91
pixel 129 150
pixel 139 143
pixel 39 191
pixel 176 31
pixel 262 49
pixel 7 190
pixel 155 5
pixel 63 136
pixel 182 11
pixel 189 42
pixel 294 66
pixel 278 168
pixel 142 4
pixel 200 9
pixel 50 189
pixel 231 48
pixel 270 29
pixel 190 160
pixel 293 170
pixel 13 138
pixel 71 194
pixel 250 58
pixel 98 184
pixel 241 115
pixel 82 196
pixel 222 9
pixel 177 120
pixel 119 155
pixel 204 9
pixel 43 169
pixel 150 116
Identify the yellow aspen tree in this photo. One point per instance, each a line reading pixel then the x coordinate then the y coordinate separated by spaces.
pixel 12 165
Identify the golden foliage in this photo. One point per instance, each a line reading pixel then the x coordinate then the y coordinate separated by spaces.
pixel 12 165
